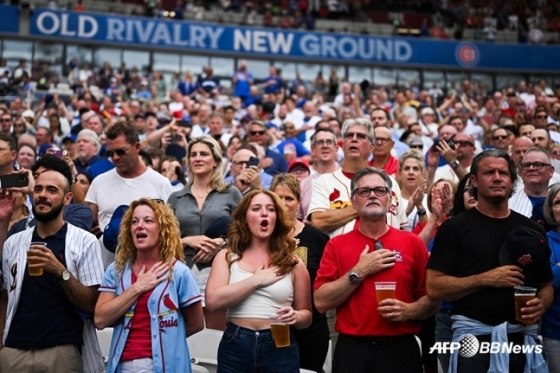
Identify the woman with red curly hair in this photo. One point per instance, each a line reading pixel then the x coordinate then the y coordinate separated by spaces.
pixel 257 277
pixel 149 294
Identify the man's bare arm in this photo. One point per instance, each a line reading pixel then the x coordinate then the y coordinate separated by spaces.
pixel 328 221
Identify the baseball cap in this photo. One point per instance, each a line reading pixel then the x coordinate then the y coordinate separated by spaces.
pixel 298 162
pixel 70 137
pixel 111 231
pixel 527 249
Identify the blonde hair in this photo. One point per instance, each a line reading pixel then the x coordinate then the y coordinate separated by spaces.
pixel 282 245
pixel 411 154
pixel 217 179
pixel 289 181
pixel 170 247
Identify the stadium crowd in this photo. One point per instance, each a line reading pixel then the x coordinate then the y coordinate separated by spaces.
pixel 202 150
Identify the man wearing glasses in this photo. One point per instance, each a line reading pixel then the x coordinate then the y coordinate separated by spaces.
pixel 128 181
pixel 458 160
pixel 330 209
pixel 352 266
pixel 499 139
pixel 274 162
pixel 536 173
pixel 540 121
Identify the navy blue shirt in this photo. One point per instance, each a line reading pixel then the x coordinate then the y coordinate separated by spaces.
pixel 279 164
pixel 78 215
pixel 45 317
pixel 81 168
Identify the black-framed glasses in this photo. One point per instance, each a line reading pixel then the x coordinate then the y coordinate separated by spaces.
pixel 359 135
pixel 325 142
pixel 540 116
pixel 535 165
pixel 255 133
pixel 502 137
pixel 420 146
pixel 120 152
pixel 378 191
pixel 463 143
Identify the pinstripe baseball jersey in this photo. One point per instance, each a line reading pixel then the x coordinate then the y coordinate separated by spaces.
pixel 83 260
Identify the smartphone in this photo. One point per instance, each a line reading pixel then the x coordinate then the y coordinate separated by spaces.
pixel 185 123
pixel 60 153
pixel 13 181
pixel 253 161
pixel 175 138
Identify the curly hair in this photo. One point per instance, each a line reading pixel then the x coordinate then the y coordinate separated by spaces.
pixel 170 247
pixel 216 180
pixel 282 245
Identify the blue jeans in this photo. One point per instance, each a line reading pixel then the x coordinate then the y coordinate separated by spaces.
pixel 444 333
pixel 244 350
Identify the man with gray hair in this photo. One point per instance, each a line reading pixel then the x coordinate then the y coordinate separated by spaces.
pixel 536 171
pixel 351 269
pixel 331 209
pixel 88 150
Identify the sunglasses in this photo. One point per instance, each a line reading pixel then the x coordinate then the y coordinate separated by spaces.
pixel 255 133
pixel 120 152
pixel 5 120
pixel 416 146
pixel 540 116
pixel 378 191
pixel 503 137
pixel 157 200
pixel 463 142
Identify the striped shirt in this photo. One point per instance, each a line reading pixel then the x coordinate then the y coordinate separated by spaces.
pixel 83 260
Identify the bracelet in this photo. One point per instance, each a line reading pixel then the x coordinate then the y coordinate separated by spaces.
pixel 422 212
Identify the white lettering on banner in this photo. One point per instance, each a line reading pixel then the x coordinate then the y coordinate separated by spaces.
pixel 115 29
pixel 177 36
pixel 262 41
pixel 82 21
pixel 214 36
pixel 41 19
pixel 351 48
pixel 197 36
pixel 161 34
pixel 62 25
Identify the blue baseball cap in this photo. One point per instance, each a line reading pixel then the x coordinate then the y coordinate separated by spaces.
pixel 111 231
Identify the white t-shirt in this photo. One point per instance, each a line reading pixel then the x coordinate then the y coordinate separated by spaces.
pixel 447 173
pixel 110 190
pixel 332 192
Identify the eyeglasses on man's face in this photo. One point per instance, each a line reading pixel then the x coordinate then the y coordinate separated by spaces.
pixel 534 165
pixel 326 142
pixel 351 135
pixel 366 192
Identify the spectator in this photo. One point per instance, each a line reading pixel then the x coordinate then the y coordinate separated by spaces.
pixel 242 79
pixel 128 181
pixel 341 283
pixel 88 150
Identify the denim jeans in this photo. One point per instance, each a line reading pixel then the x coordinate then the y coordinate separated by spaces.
pixel 444 333
pixel 244 350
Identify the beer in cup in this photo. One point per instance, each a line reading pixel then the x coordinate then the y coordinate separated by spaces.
pixel 385 290
pixel 31 260
pixel 522 295
pixel 280 331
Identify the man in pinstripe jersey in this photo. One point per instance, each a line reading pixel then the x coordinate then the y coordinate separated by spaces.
pixel 43 329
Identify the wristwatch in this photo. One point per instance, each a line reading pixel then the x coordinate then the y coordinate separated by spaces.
pixel 454 164
pixel 354 278
pixel 65 276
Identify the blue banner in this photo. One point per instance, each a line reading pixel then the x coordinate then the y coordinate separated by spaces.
pixel 9 19
pixel 272 43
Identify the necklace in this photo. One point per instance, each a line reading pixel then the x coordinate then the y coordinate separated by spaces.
pixel 196 194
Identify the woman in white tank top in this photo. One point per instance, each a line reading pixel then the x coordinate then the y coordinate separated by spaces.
pixel 257 277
